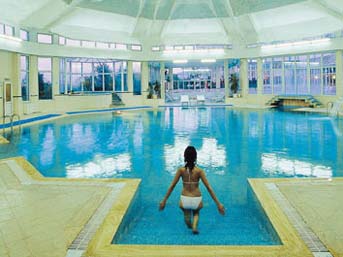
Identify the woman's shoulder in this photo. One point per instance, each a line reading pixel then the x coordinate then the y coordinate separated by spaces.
pixel 198 169
pixel 181 169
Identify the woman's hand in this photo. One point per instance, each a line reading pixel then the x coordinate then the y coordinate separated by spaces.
pixel 221 209
pixel 162 205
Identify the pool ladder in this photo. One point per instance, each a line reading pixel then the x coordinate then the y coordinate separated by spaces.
pixel 333 108
pixel 11 119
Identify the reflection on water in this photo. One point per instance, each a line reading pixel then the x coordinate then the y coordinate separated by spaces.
pixel 233 145
pixel 48 146
pixel 100 166
pixel 174 153
pixel 234 142
pixel 272 164
pixel 212 155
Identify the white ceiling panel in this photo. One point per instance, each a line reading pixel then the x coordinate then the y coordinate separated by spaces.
pixel 282 16
pixel 99 20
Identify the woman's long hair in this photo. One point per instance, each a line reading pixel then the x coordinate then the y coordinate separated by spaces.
pixel 190 156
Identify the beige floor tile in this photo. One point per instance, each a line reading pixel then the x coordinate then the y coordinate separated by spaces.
pixel 321 206
pixel 42 220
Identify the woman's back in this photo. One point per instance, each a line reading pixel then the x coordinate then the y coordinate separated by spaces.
pixel 190 179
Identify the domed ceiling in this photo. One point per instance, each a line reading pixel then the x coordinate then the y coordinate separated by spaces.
pixel 164 22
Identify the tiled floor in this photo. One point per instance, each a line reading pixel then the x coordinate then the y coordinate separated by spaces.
pixel 42 220
pixel 44 217
pixel 321 206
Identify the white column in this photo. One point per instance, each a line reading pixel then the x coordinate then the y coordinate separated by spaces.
pixel 339 74
pixel 16 85
pixel 308 75
pixel 259 76
pixel 243 76
pixel 129 77
pixel 217 69
pixel 33 78
pixel 171 82
pixel 66 72
pixel 226 77
pixel 163 78
pixel 145 78
pixel 55 76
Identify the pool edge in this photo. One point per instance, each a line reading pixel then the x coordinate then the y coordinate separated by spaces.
pixel 292 244
pixel 101 242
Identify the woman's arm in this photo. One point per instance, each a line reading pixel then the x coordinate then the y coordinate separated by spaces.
pixel 170 189
pixel 221 208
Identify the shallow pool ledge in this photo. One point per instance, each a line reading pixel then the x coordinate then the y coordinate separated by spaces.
pixel 120 193
pixel 292 244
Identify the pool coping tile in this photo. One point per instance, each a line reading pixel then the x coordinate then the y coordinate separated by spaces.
pixel 292 244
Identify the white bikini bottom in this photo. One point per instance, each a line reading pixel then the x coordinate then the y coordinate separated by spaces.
pixel 190 202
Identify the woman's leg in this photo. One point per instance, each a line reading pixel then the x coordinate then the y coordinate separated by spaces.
pixel 196 219
pixel 187 216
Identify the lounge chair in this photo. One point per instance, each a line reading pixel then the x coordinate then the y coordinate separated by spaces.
pixel 184 100
pixel 201 99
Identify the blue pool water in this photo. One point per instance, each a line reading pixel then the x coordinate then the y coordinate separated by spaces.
pixel 233 145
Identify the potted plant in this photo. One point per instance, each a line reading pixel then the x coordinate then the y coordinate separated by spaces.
pixel 157 89
pixel 234 84
pixel 150 91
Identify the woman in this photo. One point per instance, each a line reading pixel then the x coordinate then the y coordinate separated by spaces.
pixel 191 200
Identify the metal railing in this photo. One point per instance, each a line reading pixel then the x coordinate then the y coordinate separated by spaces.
pixel 11 119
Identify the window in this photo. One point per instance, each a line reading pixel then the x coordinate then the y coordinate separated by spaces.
pixel 103 79
pixel 9 30
pixel 277 75
pixel 63 88
pixel 121 46
pixel 267 74
pixel 24 77
pixel 120 71
pixel 72 42
pixel 301 75
pixel 102 45
pixel 329 73
pixel 289 73
pixel 44 38
pixel 136 48
pixel 44 78
pixel 252 76
pixel 88 74
pixel 137 73
pixel 2 28
pixel 24 35
pixel 61 40
pixel 315 74
pixel 89 44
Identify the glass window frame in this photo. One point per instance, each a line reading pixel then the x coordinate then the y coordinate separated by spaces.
pixel 47 72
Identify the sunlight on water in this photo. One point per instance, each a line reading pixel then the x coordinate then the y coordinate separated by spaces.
pixel 272 164
pixel 100 167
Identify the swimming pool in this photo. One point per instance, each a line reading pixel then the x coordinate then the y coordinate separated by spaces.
pixel 232 144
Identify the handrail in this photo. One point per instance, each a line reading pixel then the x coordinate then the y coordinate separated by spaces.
pixel 11 120
pixel 329 106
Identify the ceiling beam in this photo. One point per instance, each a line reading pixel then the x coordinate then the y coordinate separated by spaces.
pixel 323 6
pixel 213 9
pixel 235 28
pixel 61 13
pixel 167 20
pixel 138 16
pixel 157 7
